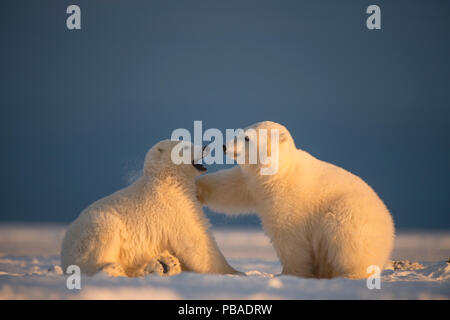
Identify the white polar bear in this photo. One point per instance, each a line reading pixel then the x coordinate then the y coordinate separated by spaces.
pixel 155 225
pixel 324 221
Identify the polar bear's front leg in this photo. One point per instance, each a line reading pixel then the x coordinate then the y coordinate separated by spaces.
pixel 225 191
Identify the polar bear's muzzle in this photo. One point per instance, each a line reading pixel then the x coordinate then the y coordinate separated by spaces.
pixel 199 166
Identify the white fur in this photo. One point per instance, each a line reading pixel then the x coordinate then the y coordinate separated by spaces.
pixel 155 222
pixel 323 221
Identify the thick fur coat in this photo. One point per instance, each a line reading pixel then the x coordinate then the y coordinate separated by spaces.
pixel 155 225
pixel 323 221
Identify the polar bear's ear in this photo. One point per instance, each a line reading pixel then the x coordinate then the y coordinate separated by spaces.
pixel 283 136
pixel 158 153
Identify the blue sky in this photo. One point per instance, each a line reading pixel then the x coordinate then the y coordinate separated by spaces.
pixel 79 109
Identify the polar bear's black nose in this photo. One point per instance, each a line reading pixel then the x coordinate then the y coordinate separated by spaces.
pixel 224 148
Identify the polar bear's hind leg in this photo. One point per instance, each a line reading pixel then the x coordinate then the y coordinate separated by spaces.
pixel 104 246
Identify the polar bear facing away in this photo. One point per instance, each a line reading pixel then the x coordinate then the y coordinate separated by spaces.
pixel 323 221
pixel 155 225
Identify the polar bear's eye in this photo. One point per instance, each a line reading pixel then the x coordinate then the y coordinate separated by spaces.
pixel 247 138
pixel 160 150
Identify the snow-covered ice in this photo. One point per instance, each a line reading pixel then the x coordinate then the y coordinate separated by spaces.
pixel 29 269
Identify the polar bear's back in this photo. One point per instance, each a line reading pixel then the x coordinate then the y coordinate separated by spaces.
pixel 130 226
pixel 97 235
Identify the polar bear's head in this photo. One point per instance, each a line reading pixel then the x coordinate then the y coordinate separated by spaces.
pixel 179 157
pixel 259 147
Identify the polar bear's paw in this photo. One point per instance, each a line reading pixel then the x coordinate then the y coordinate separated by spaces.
pixel 154 267
pixel 164 265
pixel 114 270
pixel 170 264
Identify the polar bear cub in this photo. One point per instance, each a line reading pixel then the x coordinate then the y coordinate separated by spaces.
pixel 155 225
pixel 323 221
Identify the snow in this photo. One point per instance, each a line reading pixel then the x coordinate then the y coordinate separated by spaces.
pixel 29 269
